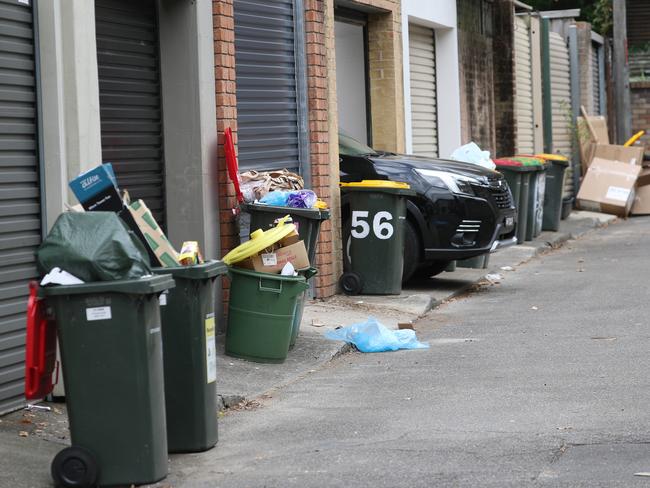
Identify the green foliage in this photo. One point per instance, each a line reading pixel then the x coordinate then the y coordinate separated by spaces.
pixel 597 12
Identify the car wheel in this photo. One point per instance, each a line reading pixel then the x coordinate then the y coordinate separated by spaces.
pixel 412 251
pixel 432 269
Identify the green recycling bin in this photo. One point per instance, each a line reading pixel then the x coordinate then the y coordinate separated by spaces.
pixel 112 356
pixel 307 222
pixel 189 348
pixel 300 306
pixel 261 314
pixel 555 174
pixel 518 177
pixel 375 246
pixel 536 191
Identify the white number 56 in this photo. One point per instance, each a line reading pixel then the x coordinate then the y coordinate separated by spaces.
pixel 381 226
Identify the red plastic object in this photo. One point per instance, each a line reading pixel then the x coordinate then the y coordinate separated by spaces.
pixel 506 162
pixel 231 162
pixel 40 357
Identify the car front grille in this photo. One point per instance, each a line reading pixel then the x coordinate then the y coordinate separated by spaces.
pixel 497 191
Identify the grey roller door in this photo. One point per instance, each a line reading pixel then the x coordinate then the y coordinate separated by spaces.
pixel 20 207
pixel 524 107
pixel 130 100
pixel 597 77
pixel 422 71
pixel 561 102
pixel 268 109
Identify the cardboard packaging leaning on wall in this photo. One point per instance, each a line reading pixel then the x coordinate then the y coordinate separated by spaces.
pixel 609 187
pixel 641 204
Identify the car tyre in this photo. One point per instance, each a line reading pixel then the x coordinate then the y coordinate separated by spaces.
pixel 412 251
pixel 432 269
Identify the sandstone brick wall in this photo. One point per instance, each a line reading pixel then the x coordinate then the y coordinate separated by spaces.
pixel 504 78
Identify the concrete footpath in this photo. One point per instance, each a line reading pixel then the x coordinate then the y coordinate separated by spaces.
pixel 30 438
pixel 241 381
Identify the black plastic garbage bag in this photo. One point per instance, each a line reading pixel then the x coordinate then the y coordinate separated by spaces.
pixel 93 246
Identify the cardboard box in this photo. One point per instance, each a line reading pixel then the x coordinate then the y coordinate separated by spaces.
pixel 97 190
pixel 290 249
pixel 641 204
pixel 150 234
pixel 609 187
pixel 629 155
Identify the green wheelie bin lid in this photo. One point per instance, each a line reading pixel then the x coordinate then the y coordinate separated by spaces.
pixel 203 271
pixel 144 286
pixel 309 213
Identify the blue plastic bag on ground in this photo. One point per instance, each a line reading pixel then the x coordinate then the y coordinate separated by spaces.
pixel 372 336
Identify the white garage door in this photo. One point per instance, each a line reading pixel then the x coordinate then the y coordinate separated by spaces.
pixel 524 108
pixel 424 110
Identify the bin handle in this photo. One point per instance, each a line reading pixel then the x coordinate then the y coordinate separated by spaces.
pixel 270 290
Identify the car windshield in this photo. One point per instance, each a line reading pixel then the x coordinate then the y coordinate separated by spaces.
pixel 351 147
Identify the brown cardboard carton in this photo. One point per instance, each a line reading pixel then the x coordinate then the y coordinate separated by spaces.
pixel 290 249
pixel 152 235
pixel 608 187
pixel 630 155
pixel 641 204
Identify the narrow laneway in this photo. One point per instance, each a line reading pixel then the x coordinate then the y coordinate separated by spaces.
pixel 541 380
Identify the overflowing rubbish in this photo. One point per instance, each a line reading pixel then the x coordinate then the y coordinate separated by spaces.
pixel 472 153
pixel 190 254
pixel 256 184
pixel 372 336
pixel 93 246
pixel 57 276
pixel 616 179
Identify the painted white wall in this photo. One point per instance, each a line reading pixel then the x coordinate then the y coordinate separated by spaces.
pixel 440 16
pixel 351 80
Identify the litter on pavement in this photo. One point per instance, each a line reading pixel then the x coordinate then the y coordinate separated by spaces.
pixel 372 336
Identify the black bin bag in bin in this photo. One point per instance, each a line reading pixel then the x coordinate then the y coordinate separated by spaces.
pixel 93 246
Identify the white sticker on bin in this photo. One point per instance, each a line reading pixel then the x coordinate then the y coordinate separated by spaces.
pixel 98 313
pixel 617 193
pixel 163 299
pixel 270 259
pixel 210 348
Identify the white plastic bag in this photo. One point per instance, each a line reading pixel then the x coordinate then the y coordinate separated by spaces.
pixel 471 153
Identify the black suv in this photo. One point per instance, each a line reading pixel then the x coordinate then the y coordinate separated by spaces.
pixel 461 210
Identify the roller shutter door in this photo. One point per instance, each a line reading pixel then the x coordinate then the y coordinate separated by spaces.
pixel 424 110
pixel 561 102
pixel 267 97
pixel 524 108
pixel 20 206
pixel 130 98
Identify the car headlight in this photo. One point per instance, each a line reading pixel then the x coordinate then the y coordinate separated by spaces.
pixel 455 183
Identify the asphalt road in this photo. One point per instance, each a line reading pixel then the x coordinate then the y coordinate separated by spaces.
pixel 541 380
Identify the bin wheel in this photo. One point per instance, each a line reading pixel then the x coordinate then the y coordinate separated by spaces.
pixel 351 283
pixel 74 467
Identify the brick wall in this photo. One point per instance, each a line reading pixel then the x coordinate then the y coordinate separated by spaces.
pixel 224 70
pixel 640 94
pixel 504 78
pixel 317 86
pixel 475 52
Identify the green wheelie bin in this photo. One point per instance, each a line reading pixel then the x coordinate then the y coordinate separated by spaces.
pixel 112 356
pixel 307 222
pixel 536 191
pixel 375 246
pixel 555 173
pixel 262 306
pixel 518 177
pixel 189 348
